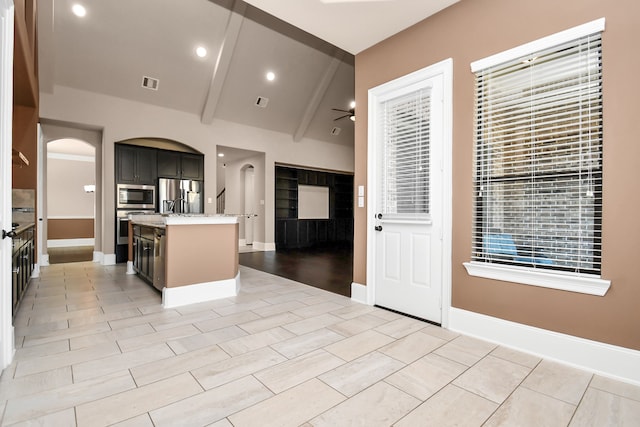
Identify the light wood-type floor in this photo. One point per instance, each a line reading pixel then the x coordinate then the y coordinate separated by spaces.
pixel 96 348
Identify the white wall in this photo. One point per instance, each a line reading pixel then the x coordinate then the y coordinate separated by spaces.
pixel 120 119
pixel 65 188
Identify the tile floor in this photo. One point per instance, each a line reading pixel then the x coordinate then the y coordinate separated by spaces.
pixel 96 348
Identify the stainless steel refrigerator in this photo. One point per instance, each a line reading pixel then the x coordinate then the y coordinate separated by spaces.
pixel 180 196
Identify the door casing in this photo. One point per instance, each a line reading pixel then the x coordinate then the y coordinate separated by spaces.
pixel 444 68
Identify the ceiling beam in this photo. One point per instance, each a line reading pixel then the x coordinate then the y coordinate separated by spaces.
pixel 223 61
pixel 317 96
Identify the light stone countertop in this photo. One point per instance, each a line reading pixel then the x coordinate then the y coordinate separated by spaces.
pixel 162 220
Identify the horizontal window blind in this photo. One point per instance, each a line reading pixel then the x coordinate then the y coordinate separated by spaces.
pixel 538 159
pixel 405 180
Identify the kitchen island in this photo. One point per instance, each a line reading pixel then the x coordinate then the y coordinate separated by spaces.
pixel 195 256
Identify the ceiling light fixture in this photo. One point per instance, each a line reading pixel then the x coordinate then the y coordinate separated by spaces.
pixel 201 51
pixel 79 10
pixel 220 154
pixel 271 76
pixel 352 104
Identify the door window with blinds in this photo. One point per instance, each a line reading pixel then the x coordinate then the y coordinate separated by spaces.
pixel 405 178
pixel 538 156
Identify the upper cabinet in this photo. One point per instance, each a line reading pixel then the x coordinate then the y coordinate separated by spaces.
pixel 135 165
pixel 173 164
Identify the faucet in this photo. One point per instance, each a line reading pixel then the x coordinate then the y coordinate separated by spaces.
pixel 172 203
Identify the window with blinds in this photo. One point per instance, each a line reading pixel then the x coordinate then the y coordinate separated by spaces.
pixel 405 180
pixel 538 159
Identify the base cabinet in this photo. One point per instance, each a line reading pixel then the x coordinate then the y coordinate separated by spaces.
pixel 143 251
pixel 22 264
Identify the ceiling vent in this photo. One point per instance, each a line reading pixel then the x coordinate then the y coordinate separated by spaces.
pixel 262 102
pixel 335 131
pixel 150 83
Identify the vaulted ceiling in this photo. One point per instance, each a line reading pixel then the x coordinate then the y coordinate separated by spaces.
pixel 119 42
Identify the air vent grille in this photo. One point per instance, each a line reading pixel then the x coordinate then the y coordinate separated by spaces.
pixel 150 83
pixel 335 131
pixel 262 102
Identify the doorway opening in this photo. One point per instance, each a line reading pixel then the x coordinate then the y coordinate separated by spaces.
pixel 70 201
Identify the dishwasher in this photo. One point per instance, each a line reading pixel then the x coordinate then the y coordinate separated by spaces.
pixel 159 250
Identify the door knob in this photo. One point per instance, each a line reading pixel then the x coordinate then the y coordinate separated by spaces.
pixel 6 234
pixel 378 228
pixel 379 216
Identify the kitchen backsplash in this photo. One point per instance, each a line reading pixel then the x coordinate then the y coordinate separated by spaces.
pixel 23 206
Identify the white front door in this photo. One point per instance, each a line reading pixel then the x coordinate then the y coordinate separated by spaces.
pixel 407 186
pixel 6 108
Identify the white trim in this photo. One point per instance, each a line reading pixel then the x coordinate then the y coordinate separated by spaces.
pixel 359 293
pixel 261 246
pixel 242 242
pixel 540 44
pixel 66 243
pixel 108 259
pixel 7 334
pixel 97 256
pixel 130 269
pixel 582 283
pixel 444 68
pixel 200 292
pixel 44 260
pixel 71 157
pixel 605 359
pixel 180 219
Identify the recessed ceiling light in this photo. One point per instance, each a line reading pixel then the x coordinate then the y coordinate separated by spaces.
pixel 353 104
pixel 201 51
pixel 271 76
pixel 79 10
pixel 220 154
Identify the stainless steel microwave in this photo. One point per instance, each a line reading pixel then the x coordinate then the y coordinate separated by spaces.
pixel 132 196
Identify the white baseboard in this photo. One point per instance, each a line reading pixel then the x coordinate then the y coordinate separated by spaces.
pixel 612 361
pixel 261 246
pixel 200 292
pixel 108 259
pixel 65 243
pixel 130 269
pixel 98 256
pixel 359 293
pixel 44 260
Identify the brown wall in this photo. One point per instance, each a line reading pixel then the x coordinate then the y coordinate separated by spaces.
pixel 474 29
pixel 70 228
pixel 201 253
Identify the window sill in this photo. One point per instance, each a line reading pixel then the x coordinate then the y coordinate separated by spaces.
pixel 583 284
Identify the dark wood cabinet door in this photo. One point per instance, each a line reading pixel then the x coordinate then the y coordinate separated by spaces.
pixel 146 166
pixel 125 165
pixel 168 164
pixel 192 166
pixel 135 165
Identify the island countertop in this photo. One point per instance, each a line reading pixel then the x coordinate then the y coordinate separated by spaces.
pixel 162 220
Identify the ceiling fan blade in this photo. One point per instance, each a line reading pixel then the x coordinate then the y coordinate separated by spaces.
pixel 342 117
pixel 343 111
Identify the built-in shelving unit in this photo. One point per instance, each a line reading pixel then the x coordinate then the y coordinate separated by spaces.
pixel 293 232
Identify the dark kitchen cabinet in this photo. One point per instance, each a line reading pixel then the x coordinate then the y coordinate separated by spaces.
pixel 143 251
pixel 135 165
pixel 22 263
pixel 173 164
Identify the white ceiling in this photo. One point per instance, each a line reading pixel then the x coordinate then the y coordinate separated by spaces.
pixel 352 25
pixel 118 42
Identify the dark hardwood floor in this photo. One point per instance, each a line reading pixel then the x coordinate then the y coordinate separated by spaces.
pixel 324 267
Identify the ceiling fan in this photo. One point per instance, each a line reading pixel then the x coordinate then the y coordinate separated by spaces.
pixel 351 113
